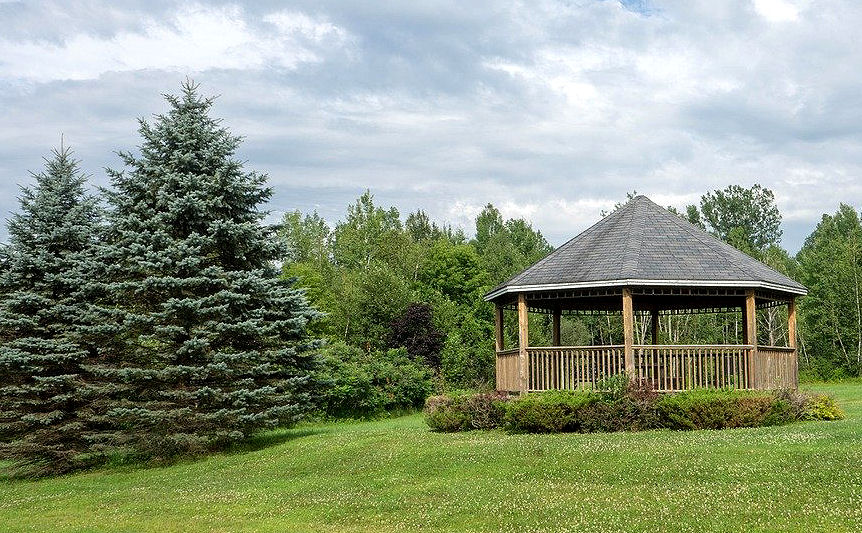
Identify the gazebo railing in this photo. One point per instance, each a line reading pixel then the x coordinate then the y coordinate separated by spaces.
pixel 508 370
pixel 686 367
pixel 776 367
pixel 573 367
pixel 665 367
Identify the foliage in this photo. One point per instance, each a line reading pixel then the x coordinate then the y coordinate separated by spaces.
pixel 463 412
pixel 307 238
pixel 467 359
pixel 722 410
pixel 550 412
pixel 368 274
pixel 43 307
pixel 368 234
pixel 455 271
pixel 507 247
pixel 746 217
pixel 830 265
pixel 821 407
pixel 201 343
pixel 628 406
pixel 415 331
pixel 358 384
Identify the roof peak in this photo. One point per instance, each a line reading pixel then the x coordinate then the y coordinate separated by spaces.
pixel 642 242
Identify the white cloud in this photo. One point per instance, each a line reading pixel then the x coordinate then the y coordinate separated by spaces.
pixel 195 38
pixel 776 10
pixel 551 110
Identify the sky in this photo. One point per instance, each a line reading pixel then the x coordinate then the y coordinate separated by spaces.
pixel 550 110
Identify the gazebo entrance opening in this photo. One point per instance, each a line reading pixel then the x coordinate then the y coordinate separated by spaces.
pixel 666 367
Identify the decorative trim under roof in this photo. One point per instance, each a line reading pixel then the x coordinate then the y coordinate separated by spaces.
pixel 642 283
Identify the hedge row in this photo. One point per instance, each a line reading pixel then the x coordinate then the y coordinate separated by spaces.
pixel 634 409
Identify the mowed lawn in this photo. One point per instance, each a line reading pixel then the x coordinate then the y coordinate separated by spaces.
pixel 396 475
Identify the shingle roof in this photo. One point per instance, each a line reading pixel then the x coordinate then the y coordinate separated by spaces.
pixel 642 243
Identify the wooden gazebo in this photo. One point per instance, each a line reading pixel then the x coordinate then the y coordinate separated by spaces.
pixel 644 259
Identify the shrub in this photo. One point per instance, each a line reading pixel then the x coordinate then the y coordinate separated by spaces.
pixel 722 409
pixel 464 412
pixel 821 407
pixel 807 406
pixel 625 407
pixel 356 384
pixel 549 412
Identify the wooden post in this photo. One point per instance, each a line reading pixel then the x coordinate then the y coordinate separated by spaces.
pixel 556 328
pixel 791 339
pixel 654 318
pixel 628 332
pixel 523 331
pixel 791 323
pixel 749 336
pixel 498 328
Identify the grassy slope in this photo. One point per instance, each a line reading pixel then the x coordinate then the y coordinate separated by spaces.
pixel 396 475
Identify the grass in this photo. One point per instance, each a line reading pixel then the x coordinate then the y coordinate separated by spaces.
pixel 395 475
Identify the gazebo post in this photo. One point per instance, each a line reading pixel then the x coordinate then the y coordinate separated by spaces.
pixel 791 338
pixel 749 335
pixel 791 323
pixel 555 329
pixel 628 332
pixel 498 328
pixel 523 331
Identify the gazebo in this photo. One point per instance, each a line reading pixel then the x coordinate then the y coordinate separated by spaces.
pixel 643 259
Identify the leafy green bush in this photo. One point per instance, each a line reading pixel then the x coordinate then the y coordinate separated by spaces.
pixel 549 412
pixel 356 384
pixel 722 409
pixel 821 407
pixel 463 412
pixel 626 407
pixel 806 406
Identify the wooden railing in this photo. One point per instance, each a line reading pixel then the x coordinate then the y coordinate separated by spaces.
pixel 776 367
pixel 573 367
pixel 665 367
pixel 677 368
pixel 508 370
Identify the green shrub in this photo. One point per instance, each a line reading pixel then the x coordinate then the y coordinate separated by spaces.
pixel 356 384
pixel 463 412
pixel 721 409
pixel 626 407
pixel 549 412
pixel 807 406
pixel 821 407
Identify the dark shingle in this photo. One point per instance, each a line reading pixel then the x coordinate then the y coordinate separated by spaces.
pixel 643 241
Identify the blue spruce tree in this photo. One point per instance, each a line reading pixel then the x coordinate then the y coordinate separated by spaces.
pixel 202 342
pixel 45 270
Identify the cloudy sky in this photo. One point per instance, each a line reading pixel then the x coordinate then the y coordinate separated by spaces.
pixel 551 110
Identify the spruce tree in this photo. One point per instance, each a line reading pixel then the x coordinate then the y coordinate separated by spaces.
pixel 203 342
pixel 45 271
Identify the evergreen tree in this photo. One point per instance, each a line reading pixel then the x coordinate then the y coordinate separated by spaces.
pixel 204 342
pixel 45 271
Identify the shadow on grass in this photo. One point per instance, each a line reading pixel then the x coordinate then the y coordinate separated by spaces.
pixel 129 462
pixel 272 438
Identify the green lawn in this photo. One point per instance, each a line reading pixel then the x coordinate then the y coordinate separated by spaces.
pixel 395 475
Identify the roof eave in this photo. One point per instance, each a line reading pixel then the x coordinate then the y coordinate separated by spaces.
pixel 749 284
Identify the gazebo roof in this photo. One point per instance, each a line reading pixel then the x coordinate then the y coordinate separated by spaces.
pixel 643 244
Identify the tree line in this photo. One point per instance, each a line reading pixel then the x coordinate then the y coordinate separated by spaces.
pixel 161 317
